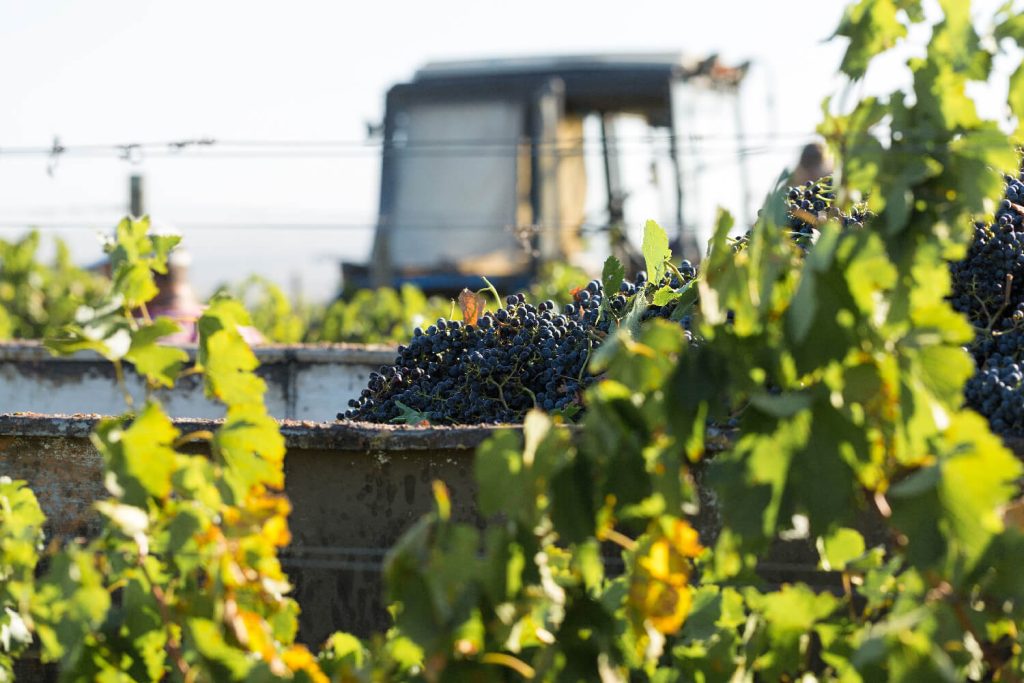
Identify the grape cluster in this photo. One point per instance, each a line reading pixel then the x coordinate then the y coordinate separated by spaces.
pixel 807 206
pixel 988 287
pixel 512 359
pixel 813 199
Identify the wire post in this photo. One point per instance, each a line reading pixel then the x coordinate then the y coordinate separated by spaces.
pixel 136 204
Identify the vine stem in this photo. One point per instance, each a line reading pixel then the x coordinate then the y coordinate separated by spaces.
pixel 514 663
pixel 501 394
pixel 1006 302
pixel 944 591
pixel 191 437
pixel 493 291
pixel 173 646
pixel 619 539
pixel 675 271
pixel 119 374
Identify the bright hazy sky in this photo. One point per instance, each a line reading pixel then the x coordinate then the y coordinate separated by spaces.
pixel 122 71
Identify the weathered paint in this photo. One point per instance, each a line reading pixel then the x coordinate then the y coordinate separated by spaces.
pixel 309 382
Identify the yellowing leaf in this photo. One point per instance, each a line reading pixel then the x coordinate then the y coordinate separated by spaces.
pixel 252 447
pixel 472 306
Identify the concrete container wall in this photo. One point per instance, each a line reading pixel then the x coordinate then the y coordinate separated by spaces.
pixel 306 382
pixel 354 490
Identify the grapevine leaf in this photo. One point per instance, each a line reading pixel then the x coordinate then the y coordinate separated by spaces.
pixel 73 603
pixel 781 405
pixel 572 501
pixel 822 482
pixel 160 364
pixel 656 251
pixel 873 27
pixel 162 247
pixel 643 364
pixel 721 285
pixel 840 547
pixel 976 483
pixel 251 444
pixel 942 95
pixel 618 430
pixel 472 306
pixel 612 275
pixel 978 152
pixel 103 329
pixel 135 282
pixel 1011 27
pixel 953 506
pixel 751 480
pixel 498 466
pixel 223 661
pixel 790 614
pixel 665 296
pixel 147 450
pixel 954 39
pixel 635 315
pixel 226 359
pixel 410 416
pixel 686 304
pixel 139 458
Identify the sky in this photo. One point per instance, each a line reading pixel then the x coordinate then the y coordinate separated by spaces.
pixel 123 71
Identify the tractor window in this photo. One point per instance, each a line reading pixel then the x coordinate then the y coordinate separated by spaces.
pixel 711 157
pixel 629 181
pixel 455 186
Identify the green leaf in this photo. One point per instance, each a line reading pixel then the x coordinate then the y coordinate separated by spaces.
pixel 251 445
pixel 140 459
pixel 656 251
pixel 790 614
pixel 781 405
pixel 104 329
pixel 162 247
pixel 159 364
pixel 342 656
pixel 873 27
pixel 976 483
pixel 953 507
pixel 633 318
pixel 955 40
pixel 72 604
pixel 225 662
pixel 572 501
pixel 410 416
pixel 645 363
pixel 135 282
pixel 840 547
pixel 666 295
pixel 612 276
pixel 225 357
pixel 498 468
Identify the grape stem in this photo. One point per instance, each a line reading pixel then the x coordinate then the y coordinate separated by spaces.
pixel 493 291
pixel 993 319
pixel 501 394
pixel 675 271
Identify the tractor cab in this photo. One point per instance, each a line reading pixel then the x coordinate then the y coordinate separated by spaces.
pixel 493 167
